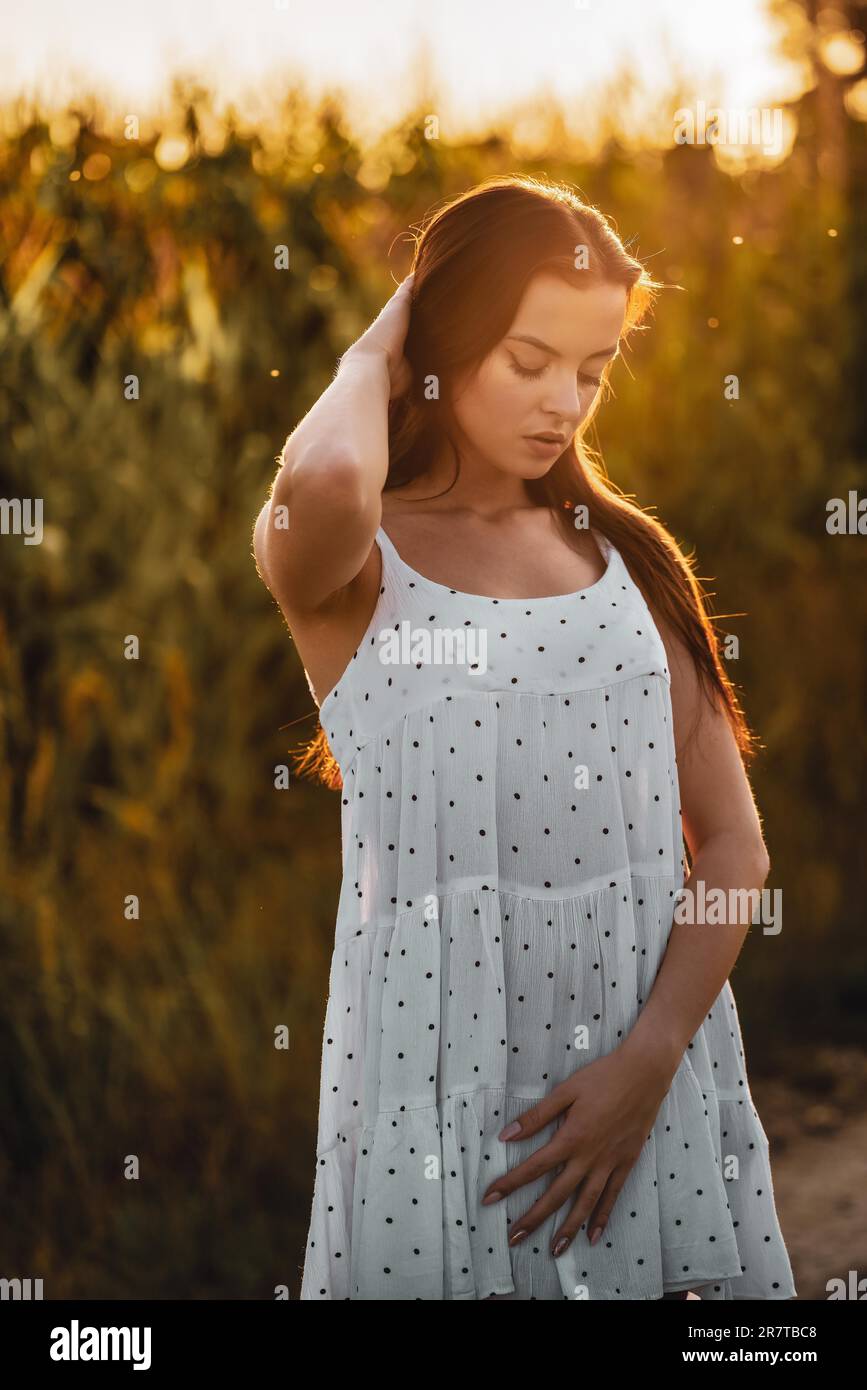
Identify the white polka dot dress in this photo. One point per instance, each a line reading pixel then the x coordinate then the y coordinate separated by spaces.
pixel 512 845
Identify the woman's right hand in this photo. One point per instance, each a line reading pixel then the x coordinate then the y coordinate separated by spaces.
pixel 387 335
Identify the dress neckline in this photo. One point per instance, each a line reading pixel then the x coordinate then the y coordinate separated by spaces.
pixel 606 548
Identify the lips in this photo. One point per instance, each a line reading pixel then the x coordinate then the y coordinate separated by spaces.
pixel 549 438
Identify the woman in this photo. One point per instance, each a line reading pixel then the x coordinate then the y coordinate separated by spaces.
pixel 533 1083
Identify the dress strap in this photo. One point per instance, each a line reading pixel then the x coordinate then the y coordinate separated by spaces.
pixel 603 542
pixel 384 541
pixel 391 561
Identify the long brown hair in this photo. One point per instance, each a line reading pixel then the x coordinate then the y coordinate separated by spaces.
pixel 473 259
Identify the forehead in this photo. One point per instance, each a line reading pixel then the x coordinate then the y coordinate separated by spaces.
pixel 574 320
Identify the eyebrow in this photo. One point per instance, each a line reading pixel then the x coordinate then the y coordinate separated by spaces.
pixel 546 347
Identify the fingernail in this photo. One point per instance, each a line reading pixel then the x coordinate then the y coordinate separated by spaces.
pixel 511 1130
pixel 595 1236
pixel 519 1235
pixel 491 1197
pixel 561 1244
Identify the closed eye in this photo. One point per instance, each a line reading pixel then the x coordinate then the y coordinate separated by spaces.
pixel 525 372
pixel 533 375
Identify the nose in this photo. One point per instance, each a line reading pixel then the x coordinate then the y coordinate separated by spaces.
pixel 564 401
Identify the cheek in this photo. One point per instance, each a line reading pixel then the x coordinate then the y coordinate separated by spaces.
pixel 494 403
pixel 503 397
pixel 480 402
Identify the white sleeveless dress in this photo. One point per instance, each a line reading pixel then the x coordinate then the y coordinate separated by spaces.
pixel 512 845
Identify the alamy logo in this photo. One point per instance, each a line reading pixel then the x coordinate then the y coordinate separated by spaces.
pixel 20 1289
pixel 436 646
pixel 732 906
pixel 846 518
pixel 853 1287
pixel 762 126
pixel 17 518
pixel 76 1343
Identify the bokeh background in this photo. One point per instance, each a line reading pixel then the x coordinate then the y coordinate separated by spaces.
pixel 138 228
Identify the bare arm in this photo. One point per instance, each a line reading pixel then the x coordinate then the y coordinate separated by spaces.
pixel 724 837
pixel 317 528
pixel 315 532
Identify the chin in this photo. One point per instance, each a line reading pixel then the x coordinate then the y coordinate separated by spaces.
pixel 537 470
pixel 518 464
pixel 528 474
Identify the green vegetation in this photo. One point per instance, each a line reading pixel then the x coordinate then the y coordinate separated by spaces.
pixel 156 777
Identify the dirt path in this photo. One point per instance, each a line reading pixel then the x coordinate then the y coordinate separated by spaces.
pixel 820 1183
pixel 818 1137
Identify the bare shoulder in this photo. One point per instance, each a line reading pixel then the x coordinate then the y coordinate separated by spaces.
pixel 327 637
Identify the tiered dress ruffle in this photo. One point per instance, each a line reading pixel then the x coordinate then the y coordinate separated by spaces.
pixel 512 846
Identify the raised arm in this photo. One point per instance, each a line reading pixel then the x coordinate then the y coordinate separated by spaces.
pixel 316 529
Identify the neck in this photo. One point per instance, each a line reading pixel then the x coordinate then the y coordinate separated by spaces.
pixel 479 486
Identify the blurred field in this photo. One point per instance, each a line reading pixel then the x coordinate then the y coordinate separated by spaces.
pixel 155 777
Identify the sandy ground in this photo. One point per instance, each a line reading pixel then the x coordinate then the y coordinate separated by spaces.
pixel 818 1137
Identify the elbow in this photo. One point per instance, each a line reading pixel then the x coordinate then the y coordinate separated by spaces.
pixel 746 855
pixel 763 862
pixel 320 470
pixel 329 483
pixel 755 860
pixel 259 536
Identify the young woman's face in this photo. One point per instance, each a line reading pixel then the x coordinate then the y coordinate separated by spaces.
pixel 547 385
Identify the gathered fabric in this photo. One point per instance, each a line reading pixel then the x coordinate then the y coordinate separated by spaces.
pixel 512 848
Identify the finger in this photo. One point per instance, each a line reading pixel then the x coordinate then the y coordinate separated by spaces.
pixel 549 1156
pixel 538 1116
pixel 599 1216
pixel 564 1185
pixel 594 1205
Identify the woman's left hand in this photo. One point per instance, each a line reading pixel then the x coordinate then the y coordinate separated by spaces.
pixel 611 1105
